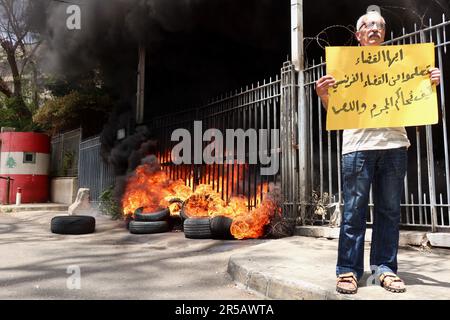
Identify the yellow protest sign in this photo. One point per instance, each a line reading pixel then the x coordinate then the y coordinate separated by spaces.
pixel 381 86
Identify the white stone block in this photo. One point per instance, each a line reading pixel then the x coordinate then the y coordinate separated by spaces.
pixel 81 204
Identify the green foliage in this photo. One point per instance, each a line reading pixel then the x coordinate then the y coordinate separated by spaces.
pixel 69 161
pixel 10 118
pixel 84 83
pixel 109 204
pixel 69 111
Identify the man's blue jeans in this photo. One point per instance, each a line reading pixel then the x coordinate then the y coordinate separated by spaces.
pixel 385 170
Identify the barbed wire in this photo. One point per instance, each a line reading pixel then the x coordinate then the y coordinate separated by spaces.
pixel 400 18
pixel 322 38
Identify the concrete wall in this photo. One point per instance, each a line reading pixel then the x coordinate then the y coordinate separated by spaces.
pixel 63 190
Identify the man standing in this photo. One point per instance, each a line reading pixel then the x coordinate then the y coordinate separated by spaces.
pixel 376 157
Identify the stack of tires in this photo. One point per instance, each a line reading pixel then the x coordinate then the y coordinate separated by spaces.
pixel 217 227
pixel 150 222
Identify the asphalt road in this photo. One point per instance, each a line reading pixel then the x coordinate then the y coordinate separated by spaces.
pixel 111 263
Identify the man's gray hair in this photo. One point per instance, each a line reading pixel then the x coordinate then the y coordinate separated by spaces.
pixel 360 21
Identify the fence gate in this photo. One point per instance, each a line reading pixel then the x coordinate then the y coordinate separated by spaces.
pixel 93 172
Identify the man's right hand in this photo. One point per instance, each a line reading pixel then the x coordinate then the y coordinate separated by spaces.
pixel 322 86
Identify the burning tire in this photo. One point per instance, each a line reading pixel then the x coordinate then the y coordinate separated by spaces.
pixel 183 214
pixel 147 227
pixel 197 228
pixel 161 215
pixel 220 228
pixel 72 224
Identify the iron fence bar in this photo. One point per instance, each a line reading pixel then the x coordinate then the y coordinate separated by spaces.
pixel 419 172
pixel 277 115
pixel 444 118
pixel 445 37
pixel 311 138
pixel 430 162
pixel 413 211
pixel 303 140
pixel 320 128
pixel 257 127
pixel 283 124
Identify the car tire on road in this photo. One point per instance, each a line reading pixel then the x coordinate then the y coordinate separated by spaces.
pixel 72 224
pixel 148 227
pixel 197 228
pixel 221 228
pixel 161 215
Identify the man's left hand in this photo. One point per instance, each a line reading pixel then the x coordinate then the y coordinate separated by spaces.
pixel 435 75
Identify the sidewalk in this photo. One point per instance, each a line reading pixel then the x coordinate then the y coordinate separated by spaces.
pixel 304 268
pixel 298 267
pixel 33 207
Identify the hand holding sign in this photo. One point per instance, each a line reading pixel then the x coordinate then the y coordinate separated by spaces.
pixel 435 76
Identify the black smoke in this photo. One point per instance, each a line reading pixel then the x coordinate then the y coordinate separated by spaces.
pixel 199 48
pixel 196 49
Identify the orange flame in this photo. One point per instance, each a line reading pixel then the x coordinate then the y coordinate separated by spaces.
pixel 154 190
pixel 252 225
pixel 246 224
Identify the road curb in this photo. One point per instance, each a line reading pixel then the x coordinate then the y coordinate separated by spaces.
pixel 273 287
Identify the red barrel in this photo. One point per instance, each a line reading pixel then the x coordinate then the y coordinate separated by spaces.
pixel 25 157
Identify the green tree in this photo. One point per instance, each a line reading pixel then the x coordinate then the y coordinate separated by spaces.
pixel 17 55
pixel 9 117
pixel 72 111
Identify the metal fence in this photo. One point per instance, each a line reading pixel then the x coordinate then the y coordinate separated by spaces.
pixel 93 172
pixel 309 156
pixel 426 196
pixel 64 157
pixel 255 107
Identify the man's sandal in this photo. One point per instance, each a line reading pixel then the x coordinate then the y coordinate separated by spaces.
pixel 391 282
pixel 347 283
